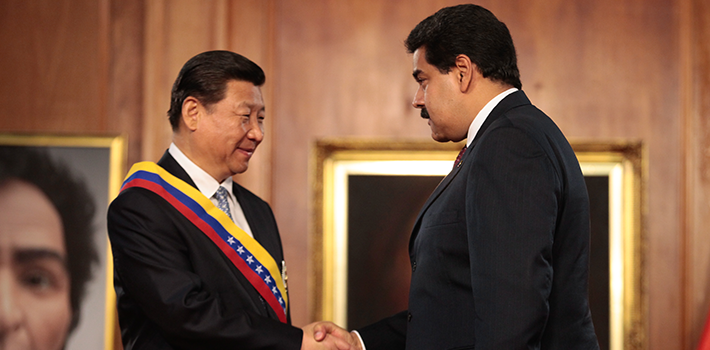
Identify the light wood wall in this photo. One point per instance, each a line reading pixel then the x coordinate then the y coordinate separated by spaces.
pixel 695 150
pixel 603 70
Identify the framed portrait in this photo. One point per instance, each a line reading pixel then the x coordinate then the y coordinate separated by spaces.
pixel 368 193
pixel 97 162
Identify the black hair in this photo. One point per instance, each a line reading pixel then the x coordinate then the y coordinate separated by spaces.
pixel 205 78
pixel 469 30
pixel 73 202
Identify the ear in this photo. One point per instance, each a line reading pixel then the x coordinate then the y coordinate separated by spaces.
pixel 191 109
pixel 465 72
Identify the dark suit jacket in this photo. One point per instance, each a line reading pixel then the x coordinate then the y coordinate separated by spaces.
pixel 500 250
pixel 176 290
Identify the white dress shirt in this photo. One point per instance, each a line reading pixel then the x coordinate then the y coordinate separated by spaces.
pixel 483 115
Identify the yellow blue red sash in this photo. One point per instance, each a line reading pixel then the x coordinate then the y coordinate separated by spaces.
pixel 254 262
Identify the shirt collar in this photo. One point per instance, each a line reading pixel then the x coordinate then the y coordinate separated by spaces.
pixel 483 115
pixel 205 182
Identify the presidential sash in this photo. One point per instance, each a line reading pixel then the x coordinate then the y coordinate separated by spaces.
pixel 252 260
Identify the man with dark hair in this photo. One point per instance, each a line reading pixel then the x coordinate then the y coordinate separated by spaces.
pixel 198 261
pixel 205 76
pixel 47 249
pixel 499 252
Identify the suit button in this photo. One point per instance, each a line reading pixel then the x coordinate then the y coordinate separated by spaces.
pixel 409 317
pixel 414 266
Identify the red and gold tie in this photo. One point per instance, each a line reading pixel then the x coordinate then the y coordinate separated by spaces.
pixel 458 158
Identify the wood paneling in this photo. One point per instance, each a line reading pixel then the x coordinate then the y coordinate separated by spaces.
pixel 126 21
pixel 695 94
pixel 607 69
pixel 53 67
pixel 250 33
pixel 175 31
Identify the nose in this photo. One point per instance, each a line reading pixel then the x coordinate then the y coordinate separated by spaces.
pixel 256 131
pixel 10 312
pixel 418 101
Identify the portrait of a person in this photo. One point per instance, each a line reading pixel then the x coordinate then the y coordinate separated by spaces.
pixel 47 251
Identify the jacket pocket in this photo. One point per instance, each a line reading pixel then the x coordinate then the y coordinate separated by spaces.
pixel 442 218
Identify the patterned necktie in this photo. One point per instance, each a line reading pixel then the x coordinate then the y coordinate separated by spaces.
pixel 458 158
pixel 222 202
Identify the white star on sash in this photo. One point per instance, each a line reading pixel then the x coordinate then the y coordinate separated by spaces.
pixel 250 259
pixel 267 279
pixel 259 269
pixel 281 301
pixel 240 250
pixel 231 240
pixel 274 290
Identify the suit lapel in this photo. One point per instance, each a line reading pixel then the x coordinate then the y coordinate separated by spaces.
pixel 169 163
pixel 511 101
pixel 437 191
pixel 249 213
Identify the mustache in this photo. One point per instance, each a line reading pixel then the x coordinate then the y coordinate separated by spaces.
pixel 424 114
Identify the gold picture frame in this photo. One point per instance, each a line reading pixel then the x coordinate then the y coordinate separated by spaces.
pixel 99 160
pixel 617 165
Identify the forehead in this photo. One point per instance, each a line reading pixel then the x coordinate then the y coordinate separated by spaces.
pixel 243 94
pixel 419 62
pixel 28 219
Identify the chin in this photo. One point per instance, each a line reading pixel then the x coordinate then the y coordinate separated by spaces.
pixel 439 138
pixel 240 169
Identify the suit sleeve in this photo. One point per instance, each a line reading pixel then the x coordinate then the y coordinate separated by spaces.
pixel 512 197
pixel 153 265
pixel 387 334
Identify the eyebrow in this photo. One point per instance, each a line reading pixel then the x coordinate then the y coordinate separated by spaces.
pixel 251 106
pixel 30 255
pixel 416 73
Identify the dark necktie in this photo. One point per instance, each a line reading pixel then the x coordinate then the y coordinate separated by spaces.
pixel 458 158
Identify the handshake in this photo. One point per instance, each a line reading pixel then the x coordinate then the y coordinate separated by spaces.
pixel 327 335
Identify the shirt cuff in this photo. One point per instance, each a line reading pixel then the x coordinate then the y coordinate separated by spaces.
pixel 362 344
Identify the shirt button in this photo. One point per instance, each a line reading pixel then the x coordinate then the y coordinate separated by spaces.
pixel 409 317
pixel 414 266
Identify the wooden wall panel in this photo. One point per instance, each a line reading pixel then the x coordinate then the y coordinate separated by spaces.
pixel 695 92
pixel 175 31
pixel 608 69
pixel 126 19
pixel 53 67
pixel 250 33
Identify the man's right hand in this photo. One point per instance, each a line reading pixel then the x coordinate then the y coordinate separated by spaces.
pixel 327 335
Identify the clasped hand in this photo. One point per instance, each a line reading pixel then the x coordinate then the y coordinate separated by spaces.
pixel 327 335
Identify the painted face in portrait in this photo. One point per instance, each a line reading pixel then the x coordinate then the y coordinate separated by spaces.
pixel 227 133
pixel 35 311
pixel 437 98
